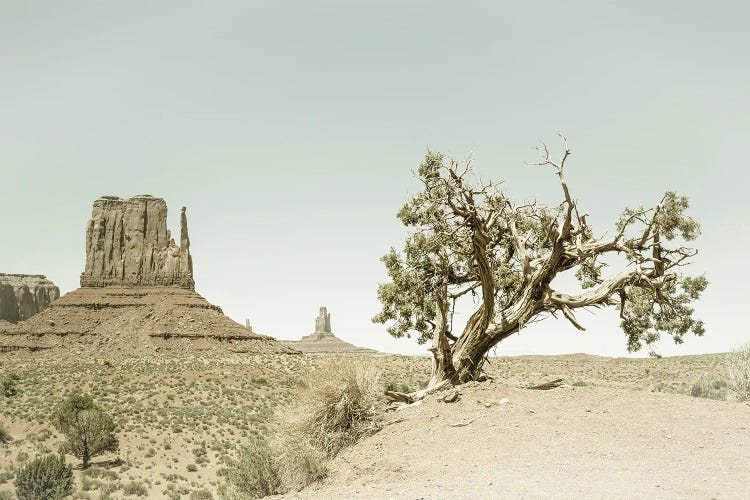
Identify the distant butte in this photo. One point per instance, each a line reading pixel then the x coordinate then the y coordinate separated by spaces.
pixel 323 341
pixel 24 295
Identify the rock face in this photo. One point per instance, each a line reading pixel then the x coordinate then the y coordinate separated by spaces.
pixel 24 295
pixel 128 243
pixel 322 340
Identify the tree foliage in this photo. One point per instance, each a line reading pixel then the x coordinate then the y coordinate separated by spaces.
pixel 89 431
pixel 469 240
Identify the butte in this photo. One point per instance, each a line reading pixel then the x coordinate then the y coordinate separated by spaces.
pixel 137 293
pixel 323 341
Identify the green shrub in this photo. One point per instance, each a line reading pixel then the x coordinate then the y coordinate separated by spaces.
pixel 738 367
pixel 254 475
pixel 4 436
pixel 8 385
pixel 301 464
pixel 710 390
pixel 202 494
pixel 89 431
pixel 136 488
pixel 45 478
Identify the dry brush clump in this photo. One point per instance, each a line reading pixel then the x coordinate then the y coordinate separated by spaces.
pixel 335 408
pixel 738 367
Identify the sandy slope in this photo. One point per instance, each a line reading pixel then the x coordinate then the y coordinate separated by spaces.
pixel 582 442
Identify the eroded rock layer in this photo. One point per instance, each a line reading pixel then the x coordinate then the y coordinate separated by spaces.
pixel 128 319
pixel 128 243
pixel 24 295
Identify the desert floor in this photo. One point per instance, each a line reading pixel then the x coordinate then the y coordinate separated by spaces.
pixel 499 441
pixel 626 427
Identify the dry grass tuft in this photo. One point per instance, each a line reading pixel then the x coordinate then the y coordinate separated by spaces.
pixel 738 366
pixel 337 407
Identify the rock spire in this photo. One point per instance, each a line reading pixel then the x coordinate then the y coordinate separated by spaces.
pixel 323 321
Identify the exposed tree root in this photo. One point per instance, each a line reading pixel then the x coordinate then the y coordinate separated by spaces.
pixel 412 397
pixel 554 384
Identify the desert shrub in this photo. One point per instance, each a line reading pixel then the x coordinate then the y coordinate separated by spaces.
pixel 6 495
pixel 738 367
pixel 300 465
pixel 202 494
pixel 135 488
pixel 89 431
pixel 336 408
pixel 710 390
pixel 254 474
pixel 4 435
pixel 9 385
pixel 44 478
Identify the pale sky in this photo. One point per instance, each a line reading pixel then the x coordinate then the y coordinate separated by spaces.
pixel 290 131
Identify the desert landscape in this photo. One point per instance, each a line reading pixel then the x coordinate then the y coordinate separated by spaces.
pixel 656 428
pixel 376 249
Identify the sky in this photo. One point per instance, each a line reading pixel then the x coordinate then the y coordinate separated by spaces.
pixel 291 130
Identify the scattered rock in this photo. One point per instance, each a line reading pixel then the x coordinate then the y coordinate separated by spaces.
pixel 451 398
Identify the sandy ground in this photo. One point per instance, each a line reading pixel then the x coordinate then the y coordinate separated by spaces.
pixel 575 442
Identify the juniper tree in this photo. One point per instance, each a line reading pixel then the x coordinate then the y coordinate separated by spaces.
pixel 89 431
pixel 469 240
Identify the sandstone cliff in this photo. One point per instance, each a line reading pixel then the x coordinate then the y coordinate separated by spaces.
pixel 127 243
pixel 24 295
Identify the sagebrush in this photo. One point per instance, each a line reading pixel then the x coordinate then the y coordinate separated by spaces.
pixel 45 478
pixel 738 368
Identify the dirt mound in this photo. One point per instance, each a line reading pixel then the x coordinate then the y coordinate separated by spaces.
pixel 573 442
pixel 134 319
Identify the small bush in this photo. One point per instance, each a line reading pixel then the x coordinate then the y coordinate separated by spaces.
pixel 45 478
pixel 8 385
pixel 202 494
pixel 709 390
pixel 738 367
pixel 301 465
pixel 4 436
pixel 135 488
pixel 254 475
